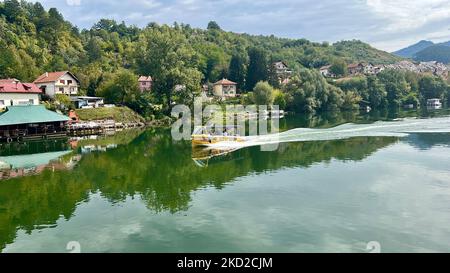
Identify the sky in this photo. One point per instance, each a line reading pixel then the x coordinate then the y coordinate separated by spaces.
pixel 385 24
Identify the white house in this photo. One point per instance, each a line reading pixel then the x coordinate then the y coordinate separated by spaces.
pixel 54 83
pixel 326 71
pixel 282 70
pixel 13 92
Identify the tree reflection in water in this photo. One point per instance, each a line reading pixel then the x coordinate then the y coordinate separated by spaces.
pixel 150 165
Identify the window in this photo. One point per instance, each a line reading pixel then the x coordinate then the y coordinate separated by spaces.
pixel 69 81
pixel 61 89
pixel 62 81
pixel 31 101
pixel 2 102
pixel 144 83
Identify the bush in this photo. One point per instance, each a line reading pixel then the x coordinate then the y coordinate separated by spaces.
pixel 63 102
pixel 247 99
pixel 263 94
pixel 280 99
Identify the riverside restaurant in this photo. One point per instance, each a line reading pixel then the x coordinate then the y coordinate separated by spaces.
pixel 31 122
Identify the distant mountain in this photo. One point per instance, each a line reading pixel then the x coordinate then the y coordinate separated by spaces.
pixel 425 51
pixel 439 52
pixel 411 51
pixel 445 43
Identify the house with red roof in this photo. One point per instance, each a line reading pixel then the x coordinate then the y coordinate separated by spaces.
pixel 13 92
pixel 145 83
pixel 61 82
pixel 225 89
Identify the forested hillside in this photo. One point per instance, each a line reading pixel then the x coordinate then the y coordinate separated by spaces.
pixel 108 57
pixel 34 40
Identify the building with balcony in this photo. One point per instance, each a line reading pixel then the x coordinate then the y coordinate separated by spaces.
pixel 54 83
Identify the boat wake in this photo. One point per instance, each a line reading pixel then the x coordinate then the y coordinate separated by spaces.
pixel 397 128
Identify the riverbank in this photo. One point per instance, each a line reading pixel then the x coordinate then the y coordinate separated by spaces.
pixel 122 116
pixel 119 114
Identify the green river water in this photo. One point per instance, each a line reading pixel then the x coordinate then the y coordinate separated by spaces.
pixel 141 191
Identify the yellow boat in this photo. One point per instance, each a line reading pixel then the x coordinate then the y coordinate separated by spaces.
pixel 205 136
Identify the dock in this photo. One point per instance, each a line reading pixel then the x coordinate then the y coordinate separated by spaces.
pixel 31 122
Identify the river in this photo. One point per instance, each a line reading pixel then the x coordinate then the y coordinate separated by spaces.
pixel 141 191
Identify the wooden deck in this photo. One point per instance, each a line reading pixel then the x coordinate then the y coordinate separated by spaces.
pixel 21 133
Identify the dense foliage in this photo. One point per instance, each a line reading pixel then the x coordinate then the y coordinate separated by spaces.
pixel 263 94
pixel 397 88
pixel 34 40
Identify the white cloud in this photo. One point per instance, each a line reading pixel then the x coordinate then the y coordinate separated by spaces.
pixel 404 15
pixel 73 2
pixel 408 21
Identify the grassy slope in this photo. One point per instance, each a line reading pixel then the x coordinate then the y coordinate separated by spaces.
pixel 119 114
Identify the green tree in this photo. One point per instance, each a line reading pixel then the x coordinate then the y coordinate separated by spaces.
pixel 280 99
pixel 237 71
pixel 309 92
pixel 351 100
pixel 64 102
pixel 431 87
pixel 213 25
pixel 339 67
pixel 120 88
pixel 263 94
pixel 8 61
pixel 12 10
pixel 216 63
pixel 257 68
pixel 411 98
pixel 94 49
pixel 165 54
pixel 377 92
pixel 396 86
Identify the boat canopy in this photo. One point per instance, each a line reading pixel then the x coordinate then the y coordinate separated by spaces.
pixel 204 130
